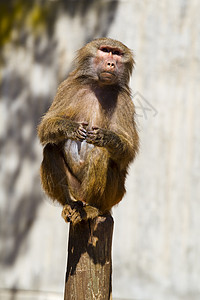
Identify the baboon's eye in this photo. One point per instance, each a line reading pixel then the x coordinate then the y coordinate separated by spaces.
pixel 116 52
pixel 104 49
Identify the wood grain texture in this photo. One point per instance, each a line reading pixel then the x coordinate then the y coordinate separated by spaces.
pixel 89 266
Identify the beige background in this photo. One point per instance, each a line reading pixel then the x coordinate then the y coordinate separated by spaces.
pixel 156 248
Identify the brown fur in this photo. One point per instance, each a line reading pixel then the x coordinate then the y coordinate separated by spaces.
pixel 87 176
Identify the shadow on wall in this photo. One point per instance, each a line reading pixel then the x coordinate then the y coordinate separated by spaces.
pixel 25 25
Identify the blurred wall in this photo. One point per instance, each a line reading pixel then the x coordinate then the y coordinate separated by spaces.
pixel 156 246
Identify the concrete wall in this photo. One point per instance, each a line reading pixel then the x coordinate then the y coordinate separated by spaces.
pixel 156 246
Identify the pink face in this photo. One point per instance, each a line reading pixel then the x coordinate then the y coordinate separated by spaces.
pixel 108 63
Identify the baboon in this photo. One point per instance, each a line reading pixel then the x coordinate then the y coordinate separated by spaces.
pixel 89 132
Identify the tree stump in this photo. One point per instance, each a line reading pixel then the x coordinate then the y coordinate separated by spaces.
pixel 89 265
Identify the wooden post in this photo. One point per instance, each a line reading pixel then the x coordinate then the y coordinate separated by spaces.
pixel 89 265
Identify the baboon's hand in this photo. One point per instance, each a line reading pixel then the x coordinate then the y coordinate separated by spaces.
pixel 77 131
pixel 97 136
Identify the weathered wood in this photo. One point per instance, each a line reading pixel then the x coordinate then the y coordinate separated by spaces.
pixel 89 265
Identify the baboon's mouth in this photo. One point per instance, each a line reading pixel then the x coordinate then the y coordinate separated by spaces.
pixel 107 76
